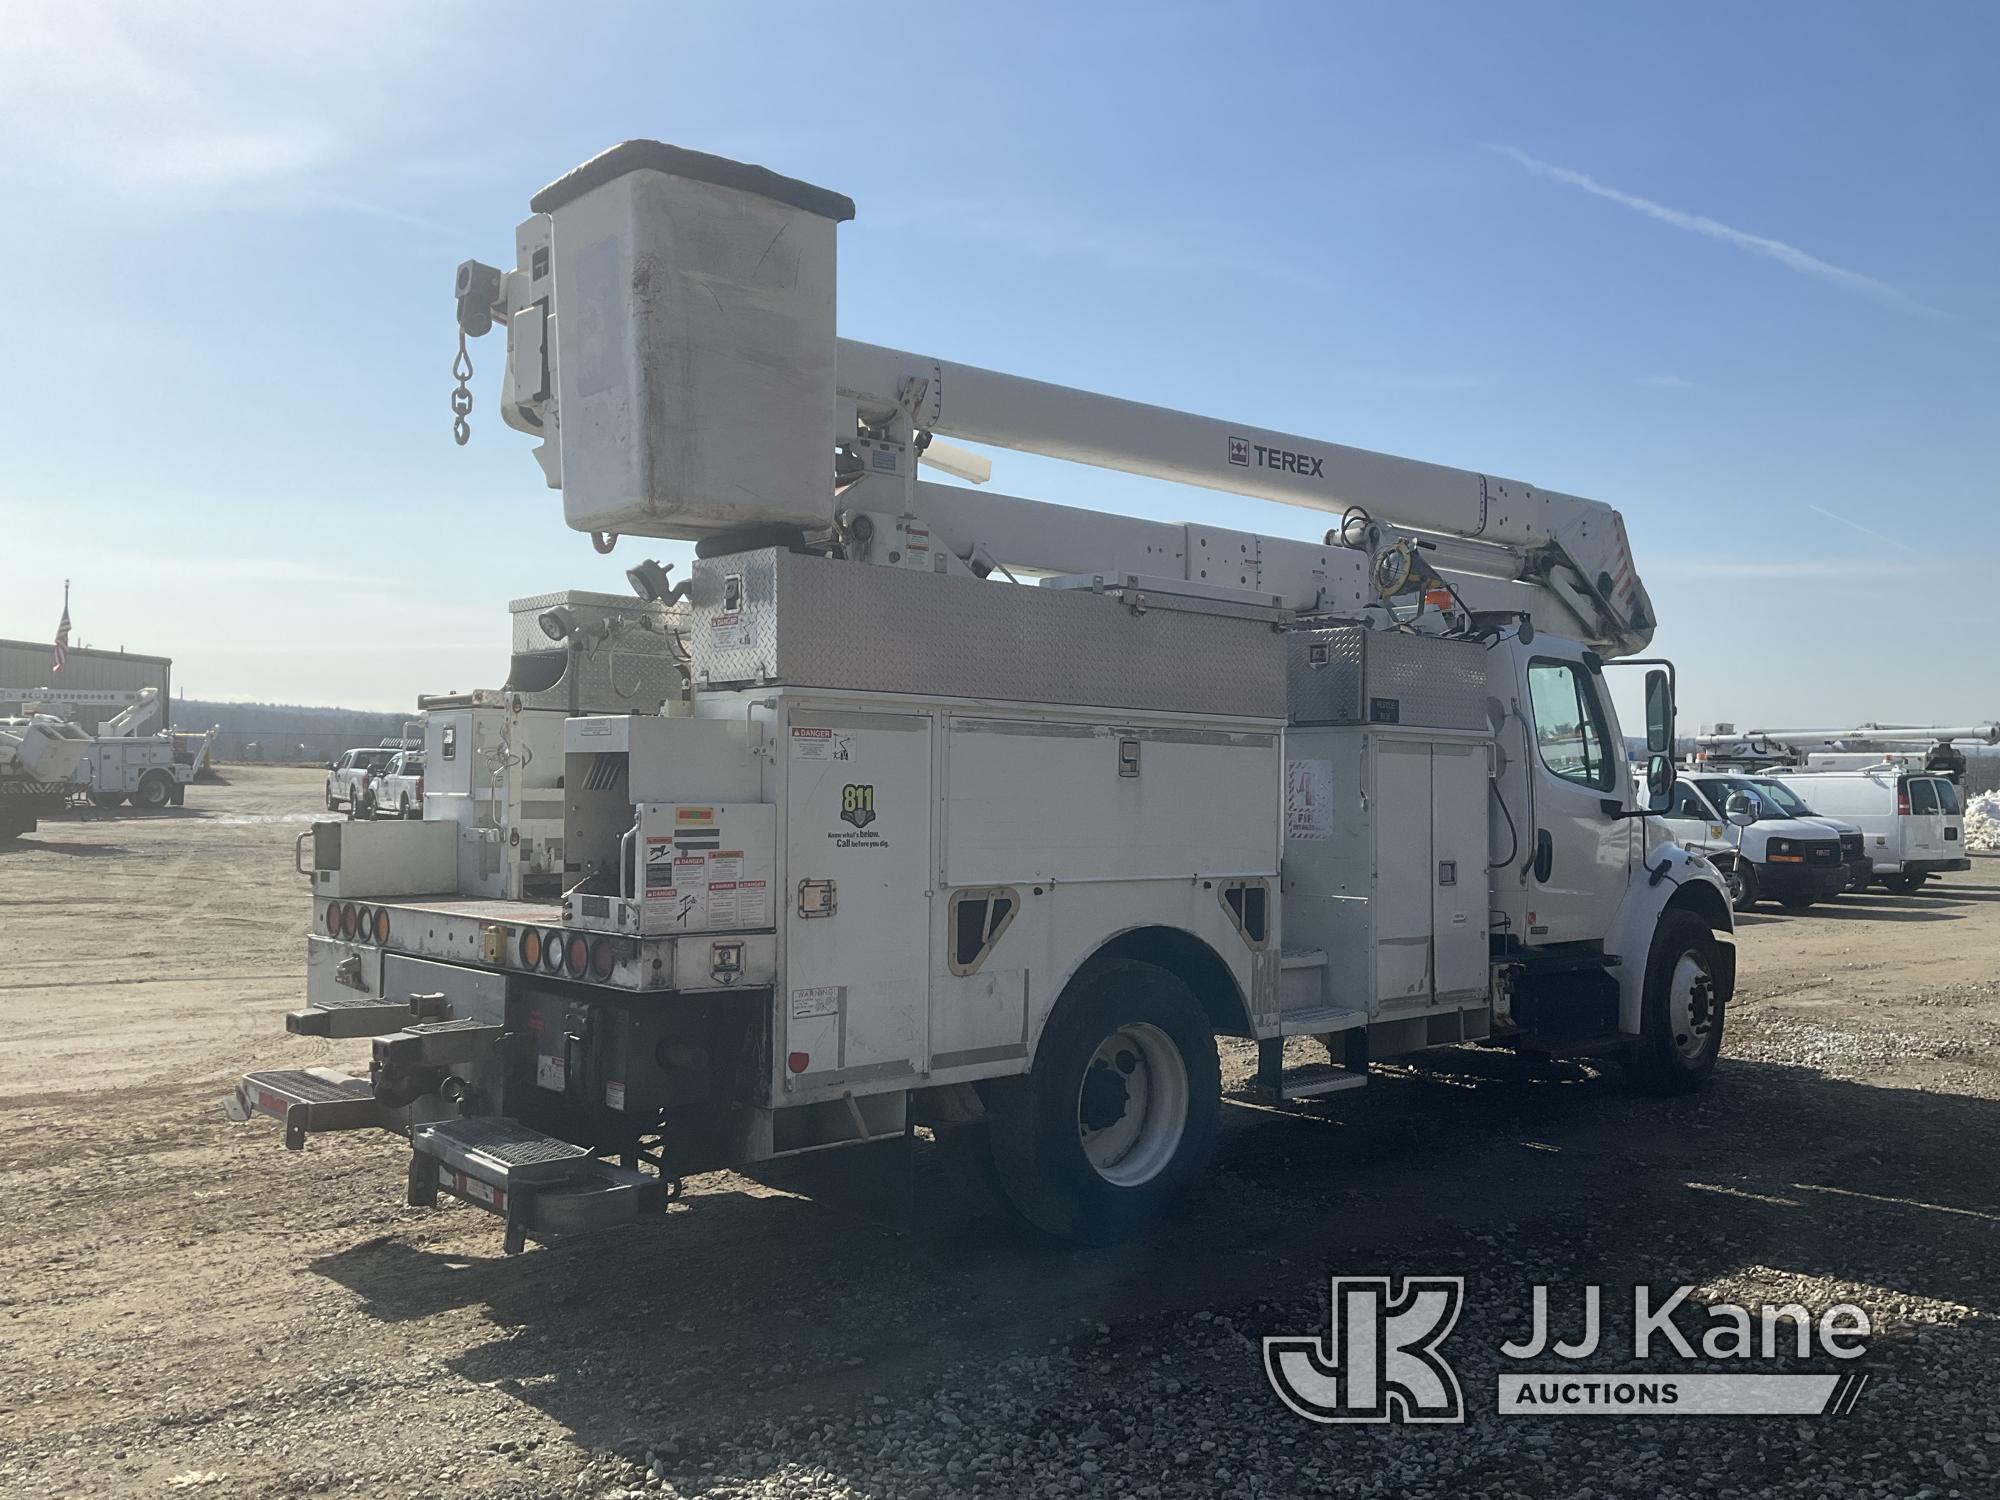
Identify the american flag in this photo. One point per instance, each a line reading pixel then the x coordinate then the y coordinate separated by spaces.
pixel 62 632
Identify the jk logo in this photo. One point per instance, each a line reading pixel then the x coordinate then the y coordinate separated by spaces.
pixel 1380 1363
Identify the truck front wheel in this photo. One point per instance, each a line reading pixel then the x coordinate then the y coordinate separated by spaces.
pixel 1741 877
pixel 1119 1112
pixel 1683 1008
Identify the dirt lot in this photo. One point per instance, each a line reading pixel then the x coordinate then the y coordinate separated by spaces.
pixel 189 1307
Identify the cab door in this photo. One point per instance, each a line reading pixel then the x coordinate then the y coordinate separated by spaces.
pixel 1580 853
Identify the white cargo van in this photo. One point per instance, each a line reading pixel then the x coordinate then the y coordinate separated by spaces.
pixel 1912 822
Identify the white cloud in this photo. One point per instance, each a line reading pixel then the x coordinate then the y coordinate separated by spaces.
pixel 181 104
pixel 1789 256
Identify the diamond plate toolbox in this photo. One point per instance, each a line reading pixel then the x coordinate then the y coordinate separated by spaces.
pixel 1343 674
pixel 774 617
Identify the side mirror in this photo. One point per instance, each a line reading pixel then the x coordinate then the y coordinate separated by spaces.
pixel 1659 715
pixel 1740 810
pixel 1661 777
pixel 333 765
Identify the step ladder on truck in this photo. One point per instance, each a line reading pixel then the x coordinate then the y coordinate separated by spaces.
pixel 915 843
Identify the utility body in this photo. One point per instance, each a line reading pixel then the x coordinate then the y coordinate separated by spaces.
pixel 905 841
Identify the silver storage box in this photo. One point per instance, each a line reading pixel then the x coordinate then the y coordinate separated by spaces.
pixel 1343 674
pixel 776 617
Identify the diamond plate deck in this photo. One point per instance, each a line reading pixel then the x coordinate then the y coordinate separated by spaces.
pixel 502 1149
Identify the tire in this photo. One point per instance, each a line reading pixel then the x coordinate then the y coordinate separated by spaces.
pixel 1797 903
pixel 1684 1009
pixel 1744 888
pixel 106 799
pixel 405 810
pixel 332 802
pixel 156 790
pixel 1904 885
pixel 965 1156
pixel 1120 1110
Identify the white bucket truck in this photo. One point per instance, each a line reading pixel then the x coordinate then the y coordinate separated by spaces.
pixel 914 843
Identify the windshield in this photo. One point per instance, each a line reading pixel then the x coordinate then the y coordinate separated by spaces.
pixel 1793 804
pixel 1721 788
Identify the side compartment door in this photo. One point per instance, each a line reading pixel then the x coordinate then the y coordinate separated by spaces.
pixel 1580 855
pixel 1459 854
pixel 856 911
pixel 1403 869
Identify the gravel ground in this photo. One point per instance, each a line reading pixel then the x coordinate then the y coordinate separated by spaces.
pixel 189 1308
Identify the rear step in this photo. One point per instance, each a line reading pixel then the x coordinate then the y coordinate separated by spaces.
pixel 307 1100
pixel 543 1187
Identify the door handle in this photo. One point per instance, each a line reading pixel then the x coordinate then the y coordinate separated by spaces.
pixel 1545 854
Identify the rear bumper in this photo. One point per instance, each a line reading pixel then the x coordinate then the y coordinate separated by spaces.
pixel 1936 866
pixel 1782 880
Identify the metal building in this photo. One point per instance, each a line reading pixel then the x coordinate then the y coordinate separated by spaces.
pixel 29 666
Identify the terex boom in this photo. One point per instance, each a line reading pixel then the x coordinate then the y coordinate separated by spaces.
pixel 915 842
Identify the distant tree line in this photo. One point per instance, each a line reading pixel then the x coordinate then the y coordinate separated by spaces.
pixel 286 733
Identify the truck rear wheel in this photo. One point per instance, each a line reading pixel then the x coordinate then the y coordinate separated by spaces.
pixel 156 790
pixel 1120 1110
pixel 1681 1023
pixel 1904 885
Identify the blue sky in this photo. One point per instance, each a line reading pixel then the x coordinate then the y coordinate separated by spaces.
pixel 1735 270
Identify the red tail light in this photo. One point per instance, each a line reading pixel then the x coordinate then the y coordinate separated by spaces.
pixel 349 919
pixel 333 919
pixel 420 788
pixel 602 959
pixel 1902 800
pixel 576 955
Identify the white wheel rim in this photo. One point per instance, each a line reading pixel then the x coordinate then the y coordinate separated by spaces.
pixel 1132 1105
pixel 1691 1006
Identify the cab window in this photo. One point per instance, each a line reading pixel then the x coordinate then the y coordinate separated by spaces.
pixel 1687 803
pixel 1569 724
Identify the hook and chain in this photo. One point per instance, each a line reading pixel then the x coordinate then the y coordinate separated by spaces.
pixel 461 395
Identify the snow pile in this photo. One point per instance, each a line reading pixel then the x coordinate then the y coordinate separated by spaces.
pixel 1982 822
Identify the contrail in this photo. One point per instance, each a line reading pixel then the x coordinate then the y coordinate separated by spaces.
pixel 1785 255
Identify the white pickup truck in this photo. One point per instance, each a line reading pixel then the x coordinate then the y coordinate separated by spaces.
pixel 398 791
pixel 345 775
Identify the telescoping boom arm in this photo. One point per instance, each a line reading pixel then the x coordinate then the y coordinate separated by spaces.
pixel 671 340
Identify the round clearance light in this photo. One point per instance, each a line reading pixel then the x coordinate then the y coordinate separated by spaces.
pixel 602 959
pixel 552 951
pixel 576 956
pixel 333 919
pixel 347 919
pixel 531 948
pixel 381 924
